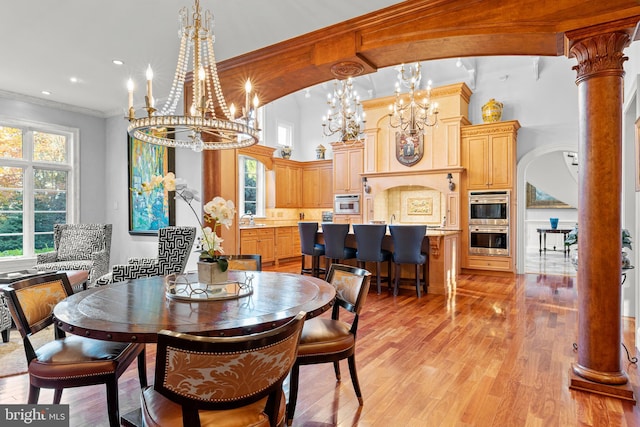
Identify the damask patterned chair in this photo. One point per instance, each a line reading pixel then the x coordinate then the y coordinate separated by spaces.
pixel 174 246
pixel 67 361
pixel 331 340
pixel 5 319
pixel 229 381
pixel 78 247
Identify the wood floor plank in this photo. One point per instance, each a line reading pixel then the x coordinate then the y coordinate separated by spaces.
pixel 496 352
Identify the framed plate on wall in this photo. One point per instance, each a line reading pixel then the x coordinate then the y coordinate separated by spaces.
pixel 149 210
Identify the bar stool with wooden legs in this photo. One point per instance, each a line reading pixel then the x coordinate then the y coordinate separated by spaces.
pixel 335 249
pixel 369 248
pixel 407 249
pixel 309 247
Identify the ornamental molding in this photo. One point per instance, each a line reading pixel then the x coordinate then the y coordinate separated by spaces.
pixel 345 69
pixel 600 54
pixel 490 129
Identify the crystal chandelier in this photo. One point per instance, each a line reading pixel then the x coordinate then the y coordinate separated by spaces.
pixel 199 128
pixel 414 116
pixel 345 116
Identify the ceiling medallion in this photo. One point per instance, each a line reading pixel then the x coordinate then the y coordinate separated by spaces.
pixel 345 69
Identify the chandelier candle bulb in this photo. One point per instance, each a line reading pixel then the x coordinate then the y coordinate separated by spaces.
pixel 149 85
pixel 198 127
pixel 130 90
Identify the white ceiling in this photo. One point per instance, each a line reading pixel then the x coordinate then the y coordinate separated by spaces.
pixel 46 42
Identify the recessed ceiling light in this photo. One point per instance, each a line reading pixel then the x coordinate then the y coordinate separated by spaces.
pixel 118 62
pixel 46 92
pixel 73 80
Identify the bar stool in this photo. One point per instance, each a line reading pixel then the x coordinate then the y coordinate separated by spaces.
pixel 335 250
pixel 369 248
pixel 407 244
pixel 308 246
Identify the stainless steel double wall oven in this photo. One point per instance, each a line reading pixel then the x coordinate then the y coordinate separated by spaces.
pixel 489 222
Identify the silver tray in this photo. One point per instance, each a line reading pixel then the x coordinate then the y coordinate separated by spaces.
pixel 181 287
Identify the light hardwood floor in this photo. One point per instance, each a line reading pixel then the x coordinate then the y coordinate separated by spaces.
pixel 497 352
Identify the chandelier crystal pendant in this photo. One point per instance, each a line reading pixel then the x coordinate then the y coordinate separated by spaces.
pixel 345 116
pixel 412 117
pixel 198 128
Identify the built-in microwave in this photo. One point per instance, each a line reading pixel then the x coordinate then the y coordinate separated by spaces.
pixel 489 207
pixel 489 240
pixel 346 204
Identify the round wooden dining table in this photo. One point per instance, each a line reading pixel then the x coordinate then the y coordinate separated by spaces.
pixel 136 310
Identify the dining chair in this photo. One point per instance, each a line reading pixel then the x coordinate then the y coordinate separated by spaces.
pixel 329 340
pixel 407 249
pixel 174 247
pixel 221 381
pixel 335 249
pixel 369 249
pixel 246 262
pixel 72 361
pixel 309 247
pixel 78 247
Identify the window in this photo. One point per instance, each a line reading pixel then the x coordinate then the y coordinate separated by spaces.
pixel 251 197
pixel 285 134
pixel 36 186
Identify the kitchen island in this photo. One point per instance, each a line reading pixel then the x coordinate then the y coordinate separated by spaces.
pixel 442 245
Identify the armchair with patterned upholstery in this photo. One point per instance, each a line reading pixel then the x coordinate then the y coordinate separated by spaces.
pixel 174 246
pixel 78 247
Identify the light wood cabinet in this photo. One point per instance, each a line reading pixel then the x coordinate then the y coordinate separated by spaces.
pixel 347 219
pixel 347 166
pixel 258 241
pixel 489 155
pixel 288 183
pixel 317 184
pixel 287 246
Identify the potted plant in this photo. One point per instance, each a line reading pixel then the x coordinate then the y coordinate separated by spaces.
pixel 212 267
pixel 572 239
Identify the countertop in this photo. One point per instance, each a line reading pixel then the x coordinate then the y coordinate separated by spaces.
pixel 431 231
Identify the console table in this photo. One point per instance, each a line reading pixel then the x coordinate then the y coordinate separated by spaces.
pixel 542 234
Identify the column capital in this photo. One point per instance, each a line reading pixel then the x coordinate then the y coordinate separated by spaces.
pixel 600 54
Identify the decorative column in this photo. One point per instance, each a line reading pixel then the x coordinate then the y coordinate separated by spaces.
pixel 600 92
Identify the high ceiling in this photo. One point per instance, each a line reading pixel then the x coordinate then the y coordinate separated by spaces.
pixel 45 42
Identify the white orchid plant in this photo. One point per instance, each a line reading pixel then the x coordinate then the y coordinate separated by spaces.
pixel 218 211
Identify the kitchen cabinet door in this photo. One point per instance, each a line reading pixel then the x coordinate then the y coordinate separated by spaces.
pixel 317 186
pixel 288 184
pixel 347 167
pixel 258 241
pixel 488 153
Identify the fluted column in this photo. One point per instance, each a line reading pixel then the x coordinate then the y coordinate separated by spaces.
pixel 600 95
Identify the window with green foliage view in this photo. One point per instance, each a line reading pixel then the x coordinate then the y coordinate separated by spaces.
pixel 35 170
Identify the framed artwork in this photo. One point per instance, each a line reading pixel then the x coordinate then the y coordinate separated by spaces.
pixel 638 154
pixel 149 211
pixel 537 199
pixel 420 207
pixel 409 148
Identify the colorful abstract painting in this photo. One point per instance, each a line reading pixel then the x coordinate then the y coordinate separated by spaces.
pixel 149 211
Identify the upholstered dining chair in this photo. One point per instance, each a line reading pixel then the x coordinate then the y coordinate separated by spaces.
pixel 335 249
pixel 78 247
pixel 407 249
pixel 225 381
pixel 326 340
pixel 309 247
pixel 72 361
pixel 174 246
pixel 246 262
pixel 369 248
